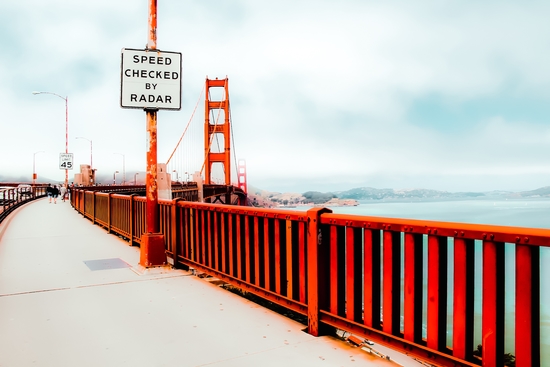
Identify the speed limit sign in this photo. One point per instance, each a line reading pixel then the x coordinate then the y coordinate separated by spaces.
pixel 65 160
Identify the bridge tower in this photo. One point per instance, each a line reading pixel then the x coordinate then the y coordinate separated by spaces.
pixel 217 132
pixel 242 175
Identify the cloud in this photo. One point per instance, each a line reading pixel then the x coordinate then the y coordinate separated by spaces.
pixel 353 92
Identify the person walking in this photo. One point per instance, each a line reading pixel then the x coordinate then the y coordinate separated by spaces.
pixel 55 193
pixel 63 192
pixel 49 191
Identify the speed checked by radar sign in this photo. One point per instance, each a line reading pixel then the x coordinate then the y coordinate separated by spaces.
pixel 150 79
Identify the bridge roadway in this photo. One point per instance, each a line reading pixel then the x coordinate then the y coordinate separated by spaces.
pixel 73 295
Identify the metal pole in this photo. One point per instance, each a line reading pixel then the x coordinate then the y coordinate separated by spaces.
pixel 152 221
pixel 34 166
pixel 66 129
pixel 92 181
pixel 66 138
pixel 152 247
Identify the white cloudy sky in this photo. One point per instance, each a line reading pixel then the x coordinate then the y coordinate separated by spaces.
pixel 325 95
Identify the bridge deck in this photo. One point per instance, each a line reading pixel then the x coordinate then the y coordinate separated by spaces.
pixel 73 295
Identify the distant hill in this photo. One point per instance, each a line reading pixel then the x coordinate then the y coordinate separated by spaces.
pixel 541 192
pixel 370 193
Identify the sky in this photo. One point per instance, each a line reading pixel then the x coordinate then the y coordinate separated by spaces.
pixel 325 95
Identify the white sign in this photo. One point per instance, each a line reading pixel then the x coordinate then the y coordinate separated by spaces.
pixel 150 79
pixel 65 160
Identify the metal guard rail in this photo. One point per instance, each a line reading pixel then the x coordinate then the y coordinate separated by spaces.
pixel 11 199
pixel 327 266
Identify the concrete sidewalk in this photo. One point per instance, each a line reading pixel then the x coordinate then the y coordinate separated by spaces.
pixel 71 295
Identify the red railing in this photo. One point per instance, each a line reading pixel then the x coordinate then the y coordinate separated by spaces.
pixel 355 272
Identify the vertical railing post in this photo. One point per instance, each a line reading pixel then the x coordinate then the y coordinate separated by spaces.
pixel 412 309
pixel 317 241
pixel 132 216
pixel 391 281
pixel 437 292
pixel 109 212
pixel 463 299
pixel 492 323
pixel 93 207
pixel 527 305
pixel 175 235
pixel 84 203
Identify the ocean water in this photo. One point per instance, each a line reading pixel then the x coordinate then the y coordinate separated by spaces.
pixel 532 213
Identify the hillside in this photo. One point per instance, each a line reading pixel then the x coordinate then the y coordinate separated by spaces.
pixel 369 193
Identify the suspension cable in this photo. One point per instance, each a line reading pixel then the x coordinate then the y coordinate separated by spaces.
pixel 233 143
pixel 186 127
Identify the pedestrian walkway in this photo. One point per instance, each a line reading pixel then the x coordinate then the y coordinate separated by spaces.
pixel 73 295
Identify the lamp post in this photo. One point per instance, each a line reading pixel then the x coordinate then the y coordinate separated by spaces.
pixel 176 172
pixel 34 166
pixel 66 99
pixel 114 177
pixel 123 168
pixel 135 175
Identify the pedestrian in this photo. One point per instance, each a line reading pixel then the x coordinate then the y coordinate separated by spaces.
pixel 55 193
pixel 63 192
pixel 49 191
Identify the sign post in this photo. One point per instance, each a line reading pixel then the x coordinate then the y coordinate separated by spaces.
pixel 151 79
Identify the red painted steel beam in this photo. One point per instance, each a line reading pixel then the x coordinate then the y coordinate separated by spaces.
pixel 492 325
pixel 267 255
pixel 224 235
pixel 527 306
pixel 392 282
pixel 247 258
pixel 517 235
pixel 463 299
pixel 354 271
pixel 216 241
pixel 371 270
pixel 317 245
pixel 437 292
pixel 231 243
pixel 413 274
pixel 302 262
pixel 277 245
pixel 257 270
pixel 239 253
pixel 288 260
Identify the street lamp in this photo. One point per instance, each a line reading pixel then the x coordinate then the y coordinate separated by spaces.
pixel 66 99
pixel 123 168
pixel 135 175
pixel 114 177
pixel 176 175
pixel 34 166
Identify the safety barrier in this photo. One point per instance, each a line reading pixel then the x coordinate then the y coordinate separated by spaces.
pixel 13 197
pixel 355 272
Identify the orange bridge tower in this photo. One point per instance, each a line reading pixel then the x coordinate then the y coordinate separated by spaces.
pixel 217 131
